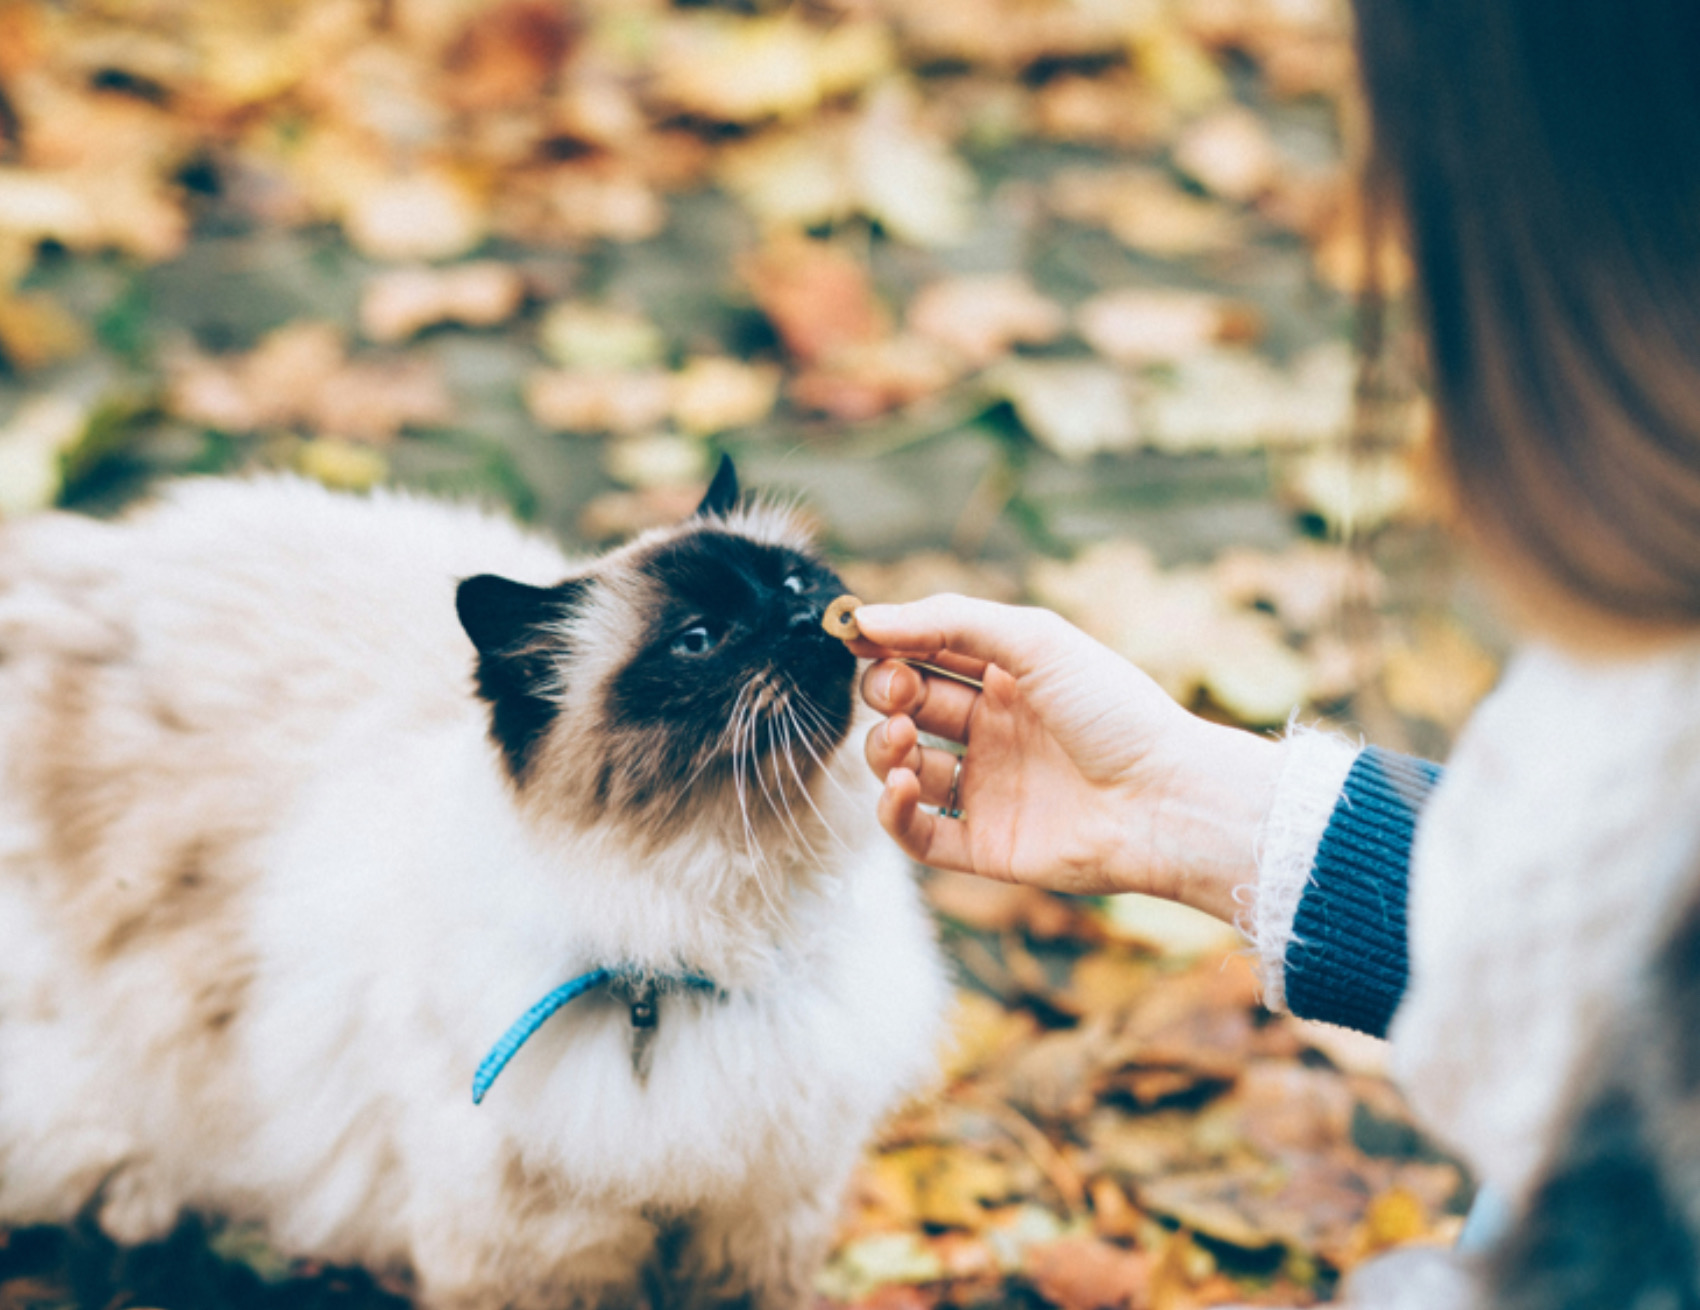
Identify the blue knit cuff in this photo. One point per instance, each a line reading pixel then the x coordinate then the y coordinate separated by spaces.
pixel 1348 964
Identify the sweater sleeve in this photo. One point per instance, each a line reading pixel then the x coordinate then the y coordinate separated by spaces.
pixel 1346 962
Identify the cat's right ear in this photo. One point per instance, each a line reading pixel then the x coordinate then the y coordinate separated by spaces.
pixel 502 616
pixel 514 627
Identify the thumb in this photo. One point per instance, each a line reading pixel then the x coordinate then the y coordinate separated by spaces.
pixel 1018 639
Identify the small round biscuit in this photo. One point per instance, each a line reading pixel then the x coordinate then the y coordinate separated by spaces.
pixel 840 618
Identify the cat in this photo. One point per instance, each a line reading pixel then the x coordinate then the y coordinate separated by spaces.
pixel 285 850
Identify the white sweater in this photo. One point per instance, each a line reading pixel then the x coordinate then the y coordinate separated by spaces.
pixel 1546 865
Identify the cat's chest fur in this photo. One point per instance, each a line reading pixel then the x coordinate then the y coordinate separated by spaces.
pixel 268 892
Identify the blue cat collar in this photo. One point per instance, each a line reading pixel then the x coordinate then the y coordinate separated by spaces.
pixel 534 1018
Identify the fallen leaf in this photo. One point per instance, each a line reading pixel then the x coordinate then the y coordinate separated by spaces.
pixel 861 382
pixel 36 330
pixel 1440 674
pixel 1353 492
pixel 341 464
pixel 1145 211
pixel 300 376
pixel 1166 927
pixel 860 1267
pixel 1307 586
pixel 507 54
pixel 818 297
pixel 657 460
pixel 740 70
pixel 712 394
pixel 1143 326
pixel 943 1186
pixel 988 905
pixel 1076 408
pixel 1087 1273
pixel 905 177
pixel 429 214
pixel 396 304
pixel 981 317
pixel 576 335
pixel 1117 110
pixel 33 446
pixel 599 400
pixel 1229 153
pixel 1232 399
pixel 616 515
pixel 1178 628
pixel 981 1032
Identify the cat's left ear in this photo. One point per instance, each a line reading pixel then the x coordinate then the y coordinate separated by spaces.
pixel 722 496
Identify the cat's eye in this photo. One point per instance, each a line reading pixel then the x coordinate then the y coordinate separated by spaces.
pixel 793 584
pixel 695 640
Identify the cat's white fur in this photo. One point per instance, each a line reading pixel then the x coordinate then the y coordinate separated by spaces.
pixel 266 899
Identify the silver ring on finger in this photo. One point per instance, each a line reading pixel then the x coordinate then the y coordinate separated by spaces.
pixel 952 809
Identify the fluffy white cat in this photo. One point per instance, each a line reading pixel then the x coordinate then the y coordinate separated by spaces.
pixel 283 853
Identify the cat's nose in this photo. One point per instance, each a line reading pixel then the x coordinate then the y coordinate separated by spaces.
pixel 803 617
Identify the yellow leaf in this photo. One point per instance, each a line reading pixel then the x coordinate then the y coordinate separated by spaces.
pixel 656 461
pixel 711 394
pixel 1440 675
pixel 32 447
pixel 341 464
pixel 36 330
pixel 577 335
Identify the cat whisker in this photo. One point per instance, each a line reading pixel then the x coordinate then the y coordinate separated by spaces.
pixel 802 786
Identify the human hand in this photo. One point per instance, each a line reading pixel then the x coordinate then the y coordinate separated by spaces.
pixel 1080 775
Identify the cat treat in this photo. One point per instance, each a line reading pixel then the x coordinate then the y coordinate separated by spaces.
pixel 840 618
pixel 840 621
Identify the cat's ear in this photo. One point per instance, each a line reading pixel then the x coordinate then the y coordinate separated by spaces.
pixel 514 628
pixel 501 616
pixel 722 495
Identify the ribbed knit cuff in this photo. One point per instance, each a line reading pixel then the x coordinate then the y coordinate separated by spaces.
pixel 1347 963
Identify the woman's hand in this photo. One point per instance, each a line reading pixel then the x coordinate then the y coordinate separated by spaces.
pixel 1080 774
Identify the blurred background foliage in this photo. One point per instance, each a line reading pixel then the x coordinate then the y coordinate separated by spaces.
pixel 1030 299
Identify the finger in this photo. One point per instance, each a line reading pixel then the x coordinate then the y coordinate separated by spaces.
pixel 924 836
pixel 894 745
pixel 1019 639
pixel 938 705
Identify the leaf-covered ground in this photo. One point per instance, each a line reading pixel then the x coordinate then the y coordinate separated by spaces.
pixel 1038 299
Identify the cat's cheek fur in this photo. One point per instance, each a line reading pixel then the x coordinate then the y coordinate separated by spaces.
pixel 269 891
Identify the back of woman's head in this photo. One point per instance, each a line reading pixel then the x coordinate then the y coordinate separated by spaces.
pixel 1546 156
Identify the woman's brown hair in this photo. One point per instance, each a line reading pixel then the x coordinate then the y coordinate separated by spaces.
pixel 1545 156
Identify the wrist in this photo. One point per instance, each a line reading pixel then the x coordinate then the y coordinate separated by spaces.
pixel 1208 821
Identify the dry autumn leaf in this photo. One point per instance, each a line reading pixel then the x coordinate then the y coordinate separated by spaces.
pixel 395 305
pixel 1087 1273
pixel 1229 153
pixel 1077 408
pixel 1144 326
pixel 981 317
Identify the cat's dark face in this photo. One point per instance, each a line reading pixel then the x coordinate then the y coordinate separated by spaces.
pixel 685 669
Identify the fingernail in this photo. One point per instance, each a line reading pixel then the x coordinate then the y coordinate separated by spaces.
pixel 879 683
